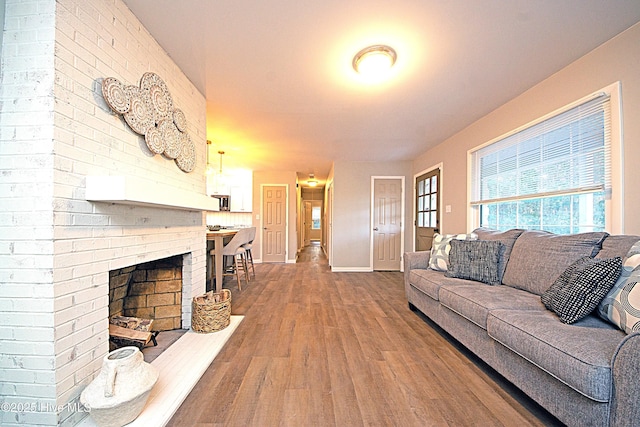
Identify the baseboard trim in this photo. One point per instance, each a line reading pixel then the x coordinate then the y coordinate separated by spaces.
pixel 351 269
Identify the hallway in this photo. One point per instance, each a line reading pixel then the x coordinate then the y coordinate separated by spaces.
pixel 312 254
pixel 318 348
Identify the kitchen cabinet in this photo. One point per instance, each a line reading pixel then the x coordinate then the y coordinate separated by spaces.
pixel 241 192
pixel 237 185
pixel 241 199
pixel 216 186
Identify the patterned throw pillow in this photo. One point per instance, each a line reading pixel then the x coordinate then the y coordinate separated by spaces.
pixel 621 306
pixel 476 260
pixel 508 239
pixel 586 286
pixel 562 281
pixel 441 246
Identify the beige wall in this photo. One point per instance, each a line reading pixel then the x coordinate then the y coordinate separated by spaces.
pixel 261 178
pixel 616 60
pixel 351 228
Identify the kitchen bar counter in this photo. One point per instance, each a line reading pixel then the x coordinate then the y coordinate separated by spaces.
pixel 218 238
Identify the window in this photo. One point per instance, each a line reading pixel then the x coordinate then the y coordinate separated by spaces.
pixel 553 175
pixel 315 218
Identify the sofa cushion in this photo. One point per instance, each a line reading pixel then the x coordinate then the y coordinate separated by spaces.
pixel 430 281
pixel 587 285
pixel 617 245
pixel 475 260
pixel 621 306
pixel 539 257
pixel 579 355
pixel 474 301
pixel 440 248
pixel 507 238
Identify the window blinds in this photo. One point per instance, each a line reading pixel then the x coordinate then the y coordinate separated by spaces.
pixel 564 154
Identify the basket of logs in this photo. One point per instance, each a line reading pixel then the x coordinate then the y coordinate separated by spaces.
pixel 211 312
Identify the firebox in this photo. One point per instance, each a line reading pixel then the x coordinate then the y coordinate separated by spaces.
pixel 151 290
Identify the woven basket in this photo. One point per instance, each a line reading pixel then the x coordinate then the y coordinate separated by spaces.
pixel 211 312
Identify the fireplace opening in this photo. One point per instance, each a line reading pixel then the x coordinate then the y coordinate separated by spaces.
pixel 145 300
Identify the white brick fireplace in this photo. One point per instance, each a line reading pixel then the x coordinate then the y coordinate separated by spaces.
pixel 57 242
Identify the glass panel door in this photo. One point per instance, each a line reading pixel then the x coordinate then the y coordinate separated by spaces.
pixel 427 209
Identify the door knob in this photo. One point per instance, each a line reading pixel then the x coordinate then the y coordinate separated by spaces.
pixel 375 229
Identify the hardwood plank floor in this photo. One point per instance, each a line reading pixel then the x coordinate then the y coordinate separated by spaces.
pixel 342 349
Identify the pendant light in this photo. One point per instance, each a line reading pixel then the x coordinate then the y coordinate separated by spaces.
pixel 217 181
pixel 221 186
pixel 209 169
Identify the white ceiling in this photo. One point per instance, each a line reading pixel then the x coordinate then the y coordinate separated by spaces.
pixel 281 93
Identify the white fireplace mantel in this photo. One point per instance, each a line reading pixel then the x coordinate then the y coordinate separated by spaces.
pixel 141 192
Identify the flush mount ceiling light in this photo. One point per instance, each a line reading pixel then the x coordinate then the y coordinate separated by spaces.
pixel 374 60
pixel 312 181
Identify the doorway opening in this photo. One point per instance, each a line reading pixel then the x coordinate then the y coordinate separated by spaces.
pixel 312 222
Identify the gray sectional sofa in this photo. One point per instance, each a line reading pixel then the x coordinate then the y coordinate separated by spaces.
pixel 586 373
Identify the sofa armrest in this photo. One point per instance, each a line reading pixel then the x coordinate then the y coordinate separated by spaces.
pixel 625 409
pixel 413 261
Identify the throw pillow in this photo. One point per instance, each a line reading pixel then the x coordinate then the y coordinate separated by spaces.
pixel 621 306
pixel 587 285
pixel 476 260
pixel 441 246
pixel 562 281
pixel 508 239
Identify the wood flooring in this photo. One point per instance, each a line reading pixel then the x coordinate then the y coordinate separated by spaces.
pixel 342 349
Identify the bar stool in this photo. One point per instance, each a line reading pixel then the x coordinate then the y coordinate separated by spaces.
pixel 236 252
pixel 248 246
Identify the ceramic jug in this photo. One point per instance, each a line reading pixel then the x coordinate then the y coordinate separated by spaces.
pixel 121 389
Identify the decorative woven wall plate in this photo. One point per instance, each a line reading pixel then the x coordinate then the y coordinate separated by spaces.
pixel 139 117
pixel 186 160
pixel 156 89
pixel 171 136
pixel 148 110
pixel 154 141
pixel 114 93
pixel 180 120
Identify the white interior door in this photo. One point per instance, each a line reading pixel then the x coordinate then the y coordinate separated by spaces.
pixel 274 223
pixel 387 223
